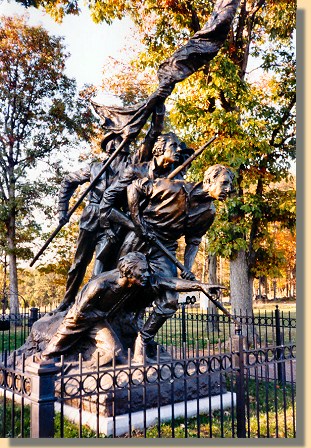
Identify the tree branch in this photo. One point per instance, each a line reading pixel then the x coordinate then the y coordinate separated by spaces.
pixel 283 120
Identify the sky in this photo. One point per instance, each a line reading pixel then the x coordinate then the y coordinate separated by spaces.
pixel 90 44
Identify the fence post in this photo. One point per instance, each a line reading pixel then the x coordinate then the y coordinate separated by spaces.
pixel 42 398
pixel 279 350
pixel 33 316
pixel 183 329
pixel 238 362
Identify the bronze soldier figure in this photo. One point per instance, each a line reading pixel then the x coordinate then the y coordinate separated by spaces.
pixel 97 301
pixel 102 297
pixel 167 153
pixel 162 210
pixel 169 209
pixel 92 237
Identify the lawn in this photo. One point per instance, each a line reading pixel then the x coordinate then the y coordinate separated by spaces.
pixel 270 414
pixel 197 331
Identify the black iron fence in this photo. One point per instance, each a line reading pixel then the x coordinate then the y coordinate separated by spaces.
pixel 187 328
pixel 234 394
pixel 217 384
pixel 15 328
pixel 190 326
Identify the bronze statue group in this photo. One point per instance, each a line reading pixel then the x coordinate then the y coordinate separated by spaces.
pixel 135 215
pixel 139 205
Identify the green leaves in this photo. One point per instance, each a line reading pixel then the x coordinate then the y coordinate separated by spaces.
pixel 246 94
pixel 41 117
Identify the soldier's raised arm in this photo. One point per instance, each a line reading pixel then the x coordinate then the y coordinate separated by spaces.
pixel 156 128
pixel 68 186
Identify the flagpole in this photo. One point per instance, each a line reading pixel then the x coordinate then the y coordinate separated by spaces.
pixel 79 201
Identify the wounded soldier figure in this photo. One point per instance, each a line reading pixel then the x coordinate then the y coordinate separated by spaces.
pixel 95 303
pixel 102 297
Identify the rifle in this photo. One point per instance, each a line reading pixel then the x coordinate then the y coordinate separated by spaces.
pixel 91 185
pixel 79 201
pixel 191 158
pixel 219 305
pixel 122 219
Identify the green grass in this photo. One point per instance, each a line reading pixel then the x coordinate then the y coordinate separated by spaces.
pixel 15 420
pixel 267 417
pixel 13 339
pixel 199 331
pixel 71 430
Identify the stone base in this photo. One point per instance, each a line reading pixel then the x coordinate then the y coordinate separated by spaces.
pixel 120 425
pixel 150 386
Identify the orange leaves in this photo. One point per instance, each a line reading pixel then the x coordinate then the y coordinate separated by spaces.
pixel 174 5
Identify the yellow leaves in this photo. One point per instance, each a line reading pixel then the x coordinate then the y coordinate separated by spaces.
pixel 107 11
pixel 56 12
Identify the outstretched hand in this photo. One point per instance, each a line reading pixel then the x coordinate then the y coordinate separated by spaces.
pixel 215 291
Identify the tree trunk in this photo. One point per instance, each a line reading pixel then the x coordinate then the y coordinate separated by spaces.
pixel 274 290
pixel 251 290
pixel 241 285
pixel 13 284
pixel 265 285
pixel 220 275
pixel 212 269
pixel 5 303
pixel 204 302
pixel 11 240
pixel 13 288
pixel 212 279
